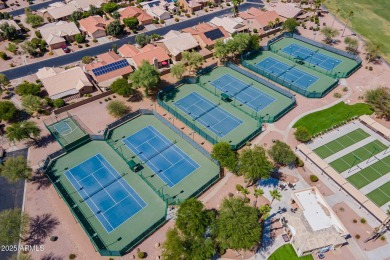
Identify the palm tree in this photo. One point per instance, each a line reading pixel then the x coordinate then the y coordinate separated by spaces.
pixel 257 192
pixel 349 16
pixel 270 25
pixel 277 21
pixel 236 4
pixel 338 10
pixel 23 130
pixel 15 169
pixel 264 211
pixel 275 194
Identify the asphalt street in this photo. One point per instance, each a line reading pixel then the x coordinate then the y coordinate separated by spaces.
pixel 34 7
pixel 93 51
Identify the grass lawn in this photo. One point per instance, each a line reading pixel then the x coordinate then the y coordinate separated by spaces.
pixel 286 252
pixel 321 120
pixel 371 19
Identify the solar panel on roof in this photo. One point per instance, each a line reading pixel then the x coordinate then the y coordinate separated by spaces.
pixel 214 34
pixel 110 67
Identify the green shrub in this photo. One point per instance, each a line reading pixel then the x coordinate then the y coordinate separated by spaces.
pixel 239 187
pixel 337 95
pixel 162 21
pixel 38 34
pixel 176 19
pixel 313 178
pixel 247 200
pixel 141 255
pixel 302 134
pixel 300 163
pixel 59 103
pixel 3 55
pixel 345 89
pixel 255 30
pixel 95 41
pixel 363 221
pixel 383 238
pixel 72 256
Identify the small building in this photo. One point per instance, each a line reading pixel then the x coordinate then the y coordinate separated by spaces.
pixel 311 225
pixel 155 55
pixel 10 23
pixel 159 13
pixel 57 34
pixel 94 26
pixel 108 68
pixel 61 83
pixel 131 11
pixel 206 34
pixel 59 12
pixel 230 24
pixel 176 42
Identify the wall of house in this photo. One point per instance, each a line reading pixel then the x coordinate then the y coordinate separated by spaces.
pixel 56 46
pixel 98 34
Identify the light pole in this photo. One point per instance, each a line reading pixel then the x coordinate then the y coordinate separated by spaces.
pixel 373 151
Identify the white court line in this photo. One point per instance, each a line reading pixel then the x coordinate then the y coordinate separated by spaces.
pixel 97 209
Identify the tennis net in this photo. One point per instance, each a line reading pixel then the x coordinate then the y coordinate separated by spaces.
pixel 208 110
pixel 159 151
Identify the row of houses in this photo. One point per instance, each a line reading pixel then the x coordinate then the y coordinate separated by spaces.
pixel 161 53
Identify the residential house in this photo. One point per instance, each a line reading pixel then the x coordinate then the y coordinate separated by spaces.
pixel 85 4
pixel 108 68
pixel 57 34
pixel 192 5
pixel 286 10
pixel 94 26
pixel 155 55
pixel 168 5
pixel 176 42
pixel 61 83
pixel 10 23
pixel 159 13
pixel 59 11
pixel 207 34
pixel 265 22
pixel 311 225
pixel 230 24
pixel 131 11
pixel 2 5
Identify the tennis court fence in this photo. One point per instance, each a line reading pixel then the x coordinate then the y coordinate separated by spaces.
pixel 192 123
pixel 293 87
pixel 318 45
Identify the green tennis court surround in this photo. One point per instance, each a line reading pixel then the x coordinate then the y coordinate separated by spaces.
pixel 118 196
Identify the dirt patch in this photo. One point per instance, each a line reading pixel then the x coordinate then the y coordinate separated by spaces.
pixel 348 216
pixel 325 191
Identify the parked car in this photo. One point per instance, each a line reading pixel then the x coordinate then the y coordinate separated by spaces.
pixel 65 48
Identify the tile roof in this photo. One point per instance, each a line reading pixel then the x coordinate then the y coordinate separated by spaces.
pixel 62 11
pixel 93 23
pixel 230 24
pixel 286 10
pixel 84 4
pixel 60 82
pixel 177 42
pixel 106 59
pixel 150 53
pixel 201 30
pixel 55 32
pixel 128 50
pixel 132 11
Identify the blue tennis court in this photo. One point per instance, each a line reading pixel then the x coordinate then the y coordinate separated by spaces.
pixel 107 194
pixel 286 72
pixel 209 114
pixel 313 57
pixel 243 92
pixel 167 160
